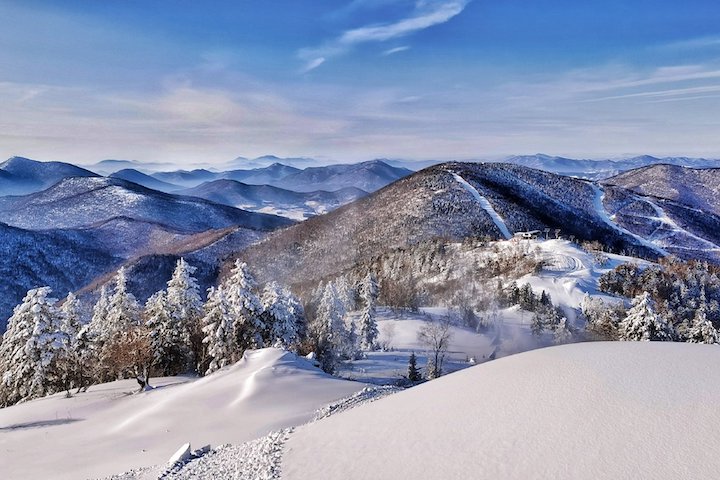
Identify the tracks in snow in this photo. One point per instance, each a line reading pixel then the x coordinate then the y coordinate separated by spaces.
pixel 485 204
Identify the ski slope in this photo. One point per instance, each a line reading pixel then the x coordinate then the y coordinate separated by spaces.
pixel 109 430
pixel 620 410
pixel 602 213
pixel 485 204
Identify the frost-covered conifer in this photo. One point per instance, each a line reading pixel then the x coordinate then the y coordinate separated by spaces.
pixel 169 338
pixel 702 329
pixel 71 324
pixel 221 345
pixel 561 333
pixel 123 310
pixel 30 348
pixel 413 372
pixel 283 315
pixel 368 322
pixel 185 305
pixel 99 330
pixel 245 307
pixel 642 323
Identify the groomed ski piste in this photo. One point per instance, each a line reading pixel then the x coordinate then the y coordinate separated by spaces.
pixel 485 204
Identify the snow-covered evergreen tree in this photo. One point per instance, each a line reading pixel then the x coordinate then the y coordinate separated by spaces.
pixel 702 329
pixel 642 322
pixel 561 333
pixel 368 322
pixel 328 329
pixel 30 349
pixel 99 329
pixel 413 372
pixel 117 332
pixel 169 338
pixel 123 310
pixel 246 309
pixel 219 331
pixel 185 305
pixel 71 324
pixel 283 315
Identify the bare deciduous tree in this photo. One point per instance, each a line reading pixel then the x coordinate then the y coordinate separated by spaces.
pixel 436 334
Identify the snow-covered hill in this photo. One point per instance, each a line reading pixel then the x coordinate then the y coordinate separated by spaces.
pixel 107 429
pixel 695 187
pixel 273 200
pixel 432 203
pixel 21 176
pixel 82 202
pixel 625 410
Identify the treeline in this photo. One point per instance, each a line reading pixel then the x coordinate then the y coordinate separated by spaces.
pixel 49 348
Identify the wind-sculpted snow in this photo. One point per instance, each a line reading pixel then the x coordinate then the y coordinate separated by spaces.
pixel 268 390
pixel 609 410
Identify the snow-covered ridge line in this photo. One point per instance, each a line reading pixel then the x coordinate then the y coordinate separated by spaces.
pixel 602 213
pixel 665 219
pixel 485 204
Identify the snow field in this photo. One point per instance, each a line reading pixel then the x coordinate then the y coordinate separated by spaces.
pixel 268 390
pixel 611 410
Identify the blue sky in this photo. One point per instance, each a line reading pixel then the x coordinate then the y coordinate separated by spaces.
pixel 204 82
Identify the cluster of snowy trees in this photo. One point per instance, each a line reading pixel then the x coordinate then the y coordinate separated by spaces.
pixel 47 349
pixel 332 334
pixel 673 300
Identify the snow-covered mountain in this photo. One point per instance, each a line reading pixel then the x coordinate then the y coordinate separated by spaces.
pixel 274 200
pixel 694 187
pixel 65 260
pixel 261 176
pixel 83 202
pixel 20 176
pixel 603 168
pixel 187 178
pixel 135 176
pixel 367 176
pixel 454 201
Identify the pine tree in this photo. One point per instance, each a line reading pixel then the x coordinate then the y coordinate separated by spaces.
pixel 186 307
pixel 368 323
pixel 283 315
pixel 328 329
pixel 71 325
pixel 123 310
pixel 642 323
pixel 30 349
pixel 118 333
pixel 702 329
pixel 99 330
pixel 169 338
pixel 246 309
pixel 218 327
pixel 413 372
pixel 561 333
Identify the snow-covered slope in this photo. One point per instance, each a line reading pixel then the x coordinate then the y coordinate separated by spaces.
pixel 106 430
pixel 21 176
pixel 625 410
pixel 273 200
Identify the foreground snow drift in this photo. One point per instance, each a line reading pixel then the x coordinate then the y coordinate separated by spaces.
pixel 581 411
pixel 107 430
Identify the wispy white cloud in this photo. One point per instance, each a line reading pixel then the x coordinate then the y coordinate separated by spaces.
pixel 694 43
pixel 392 51
pixel 426 14
pixel 313 64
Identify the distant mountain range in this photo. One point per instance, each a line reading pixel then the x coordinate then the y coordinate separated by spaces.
pixel 274 200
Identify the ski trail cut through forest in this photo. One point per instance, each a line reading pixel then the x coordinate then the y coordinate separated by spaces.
pixel 600 209
pixel 665 219
pixel 485 204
